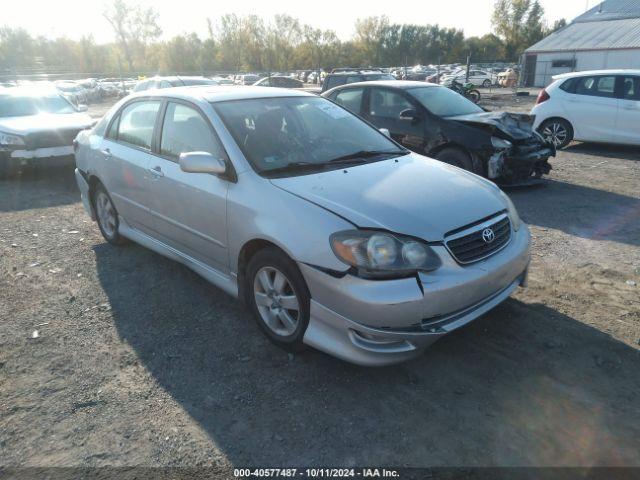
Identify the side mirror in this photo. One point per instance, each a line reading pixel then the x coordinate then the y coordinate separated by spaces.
pixel 82 108
pixel 408 114
pixel 385 132
pixel 202 162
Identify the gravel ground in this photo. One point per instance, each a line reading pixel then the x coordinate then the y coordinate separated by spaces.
pixel 138 361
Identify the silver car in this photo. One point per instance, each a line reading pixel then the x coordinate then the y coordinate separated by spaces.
pixel 334 235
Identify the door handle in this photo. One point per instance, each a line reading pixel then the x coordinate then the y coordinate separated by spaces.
pixel 157 171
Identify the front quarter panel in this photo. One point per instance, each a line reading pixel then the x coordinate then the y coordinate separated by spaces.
pixel 258 210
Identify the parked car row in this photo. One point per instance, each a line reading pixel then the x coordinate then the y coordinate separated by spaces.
pixel 396 240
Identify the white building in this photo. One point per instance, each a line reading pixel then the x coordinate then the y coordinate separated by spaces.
pixel 607 36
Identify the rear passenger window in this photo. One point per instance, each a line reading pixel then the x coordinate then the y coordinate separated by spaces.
pixel 113 129
pixel 350 99
pixel 569 85
pixel 136 123
pixel 185 130
pixel 596 86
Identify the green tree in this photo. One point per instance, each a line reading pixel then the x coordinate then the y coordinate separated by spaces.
pixel 134 27
pixel 519 23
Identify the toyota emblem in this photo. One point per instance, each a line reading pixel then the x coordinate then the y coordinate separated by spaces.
pixel 488 236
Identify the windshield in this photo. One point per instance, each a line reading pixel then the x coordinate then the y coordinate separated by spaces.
pixel 301 132
pixel 21 106
pixel 444 102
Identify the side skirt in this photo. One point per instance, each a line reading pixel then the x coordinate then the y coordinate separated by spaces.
pixel 227 283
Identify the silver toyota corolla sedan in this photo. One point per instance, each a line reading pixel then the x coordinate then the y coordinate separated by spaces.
pixel 333 234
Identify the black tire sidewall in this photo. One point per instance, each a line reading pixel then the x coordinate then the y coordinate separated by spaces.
pixel 117 239
pixel 273 257
pixel 457 158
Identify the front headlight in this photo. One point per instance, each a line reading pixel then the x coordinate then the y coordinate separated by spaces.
pixel 381 254
pixel 512 212
pixel 500 143
pixel 9 139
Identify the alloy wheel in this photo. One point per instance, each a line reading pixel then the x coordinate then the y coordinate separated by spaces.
pixel 556 132
pixel 277 301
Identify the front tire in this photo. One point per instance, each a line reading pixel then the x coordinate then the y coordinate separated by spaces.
pixel 455 157
pixel 107 216
pixel 486 83
pixel 557 131
pixel 278 297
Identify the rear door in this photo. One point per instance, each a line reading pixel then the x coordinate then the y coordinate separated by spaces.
pixel 383 107
pixel 126 151
pixel 592 108
pixel 350 98
pixel 628 121
pixel 189 209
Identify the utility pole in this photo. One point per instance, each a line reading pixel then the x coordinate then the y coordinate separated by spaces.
pixel 468 66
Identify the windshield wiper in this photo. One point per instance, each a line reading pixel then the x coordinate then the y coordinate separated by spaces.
pixel 293 166
pixel 361 156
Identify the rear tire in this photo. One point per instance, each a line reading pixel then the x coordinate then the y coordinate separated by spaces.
pixel 455 157
pixel 107 216
pixel 486 83
pixel 279 298
pixel 558 131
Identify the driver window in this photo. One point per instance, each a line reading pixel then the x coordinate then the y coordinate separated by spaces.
pixel 387 103
pixel 185 130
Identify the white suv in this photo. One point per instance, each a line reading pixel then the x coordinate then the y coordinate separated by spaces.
pixel 592 106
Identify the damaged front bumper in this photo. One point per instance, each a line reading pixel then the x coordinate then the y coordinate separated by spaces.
pixel 520 164
pixel 382 322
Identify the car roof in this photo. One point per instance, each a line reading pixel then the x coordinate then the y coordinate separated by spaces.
pixel 222 93
pixel 597 72
pixel 399 84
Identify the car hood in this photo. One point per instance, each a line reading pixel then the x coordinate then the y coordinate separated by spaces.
pixel 38 123
pixel 414 196
pixel 516 126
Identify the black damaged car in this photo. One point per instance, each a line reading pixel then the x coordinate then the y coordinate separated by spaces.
pixel 435 121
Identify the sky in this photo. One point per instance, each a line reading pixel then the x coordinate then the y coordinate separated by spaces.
pixel 75 18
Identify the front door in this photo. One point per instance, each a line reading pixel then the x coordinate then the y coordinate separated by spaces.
pixel 628 122
pixel 383 110
pixel 189 209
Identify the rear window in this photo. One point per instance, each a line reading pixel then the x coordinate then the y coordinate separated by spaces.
pixel 569 86
pixel 350 99
pixel 601 86
pixel 137 121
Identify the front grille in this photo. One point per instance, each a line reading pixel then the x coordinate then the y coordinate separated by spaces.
pixel 475 243
pixel 51 138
